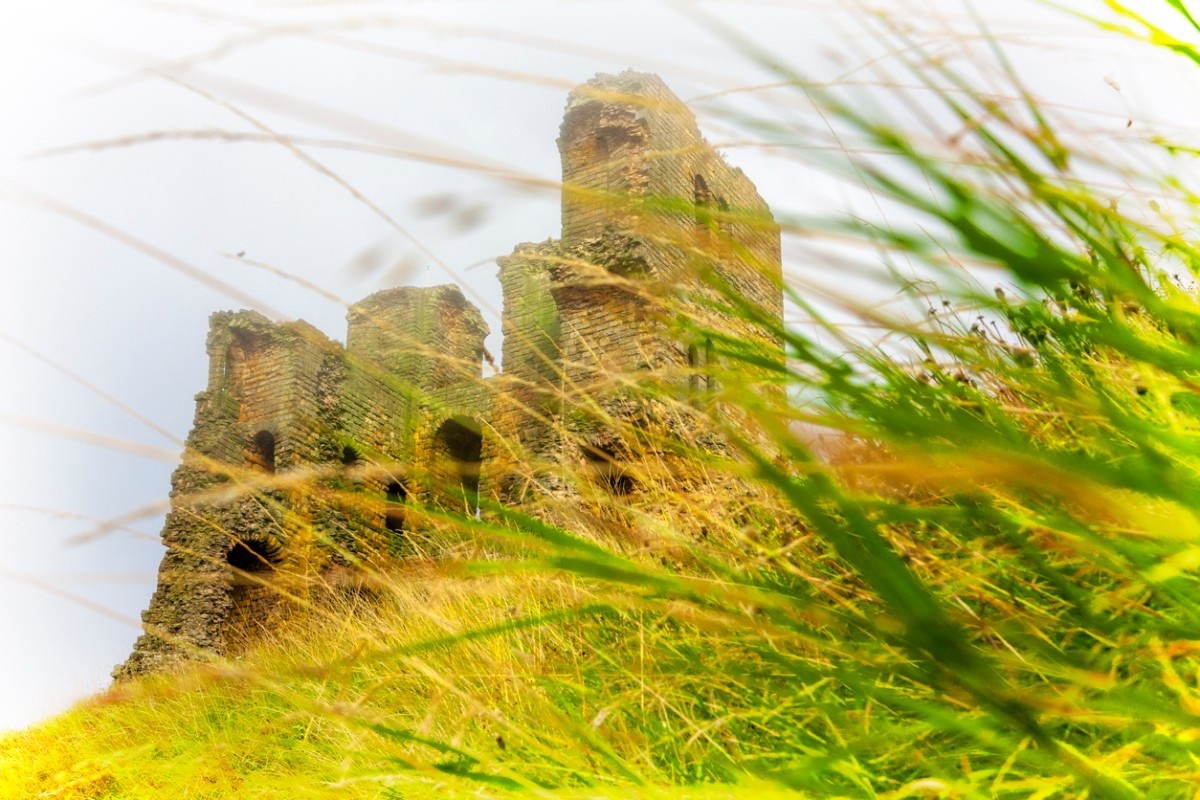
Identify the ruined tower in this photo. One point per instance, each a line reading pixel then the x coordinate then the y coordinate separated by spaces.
pixel 667 256
pixel 307 458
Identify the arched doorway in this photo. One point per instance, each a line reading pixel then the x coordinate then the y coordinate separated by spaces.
pixel 261 453
pixel 250 564
pixel 458 447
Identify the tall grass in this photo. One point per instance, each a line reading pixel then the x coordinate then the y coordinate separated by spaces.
pixel 982 584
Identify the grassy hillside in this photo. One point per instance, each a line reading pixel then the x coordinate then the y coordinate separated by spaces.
pixel 451 686
pixel 392 700
pixel 982 583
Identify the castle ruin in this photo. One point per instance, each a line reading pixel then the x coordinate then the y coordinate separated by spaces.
pixel 307 458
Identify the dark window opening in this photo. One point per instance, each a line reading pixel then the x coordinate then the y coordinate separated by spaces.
pixel 349 456
pixel 460 439
pixel 251 557
pixel 262 451
pixel 251 593
pixel 393 515
pixel 608 470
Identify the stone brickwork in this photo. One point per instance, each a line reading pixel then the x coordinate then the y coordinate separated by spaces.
pixel 300 454
pixel 308 459
pixel 659 233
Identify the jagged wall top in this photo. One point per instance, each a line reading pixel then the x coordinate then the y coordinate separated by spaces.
pixel 431 336
pixel 633 158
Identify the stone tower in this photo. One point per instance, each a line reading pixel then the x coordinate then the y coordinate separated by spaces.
pixel 308 459
pixel 663 245
pixel 305 457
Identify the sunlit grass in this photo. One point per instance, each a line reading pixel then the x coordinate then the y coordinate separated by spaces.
pixel 981 584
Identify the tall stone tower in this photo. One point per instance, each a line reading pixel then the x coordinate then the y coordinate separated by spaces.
pixel 306 457
pixel 667 256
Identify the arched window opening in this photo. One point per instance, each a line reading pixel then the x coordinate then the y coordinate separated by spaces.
pixel 460 441
pixel 608 470
pixel 262 451
pixel 393 515
pixel 247 558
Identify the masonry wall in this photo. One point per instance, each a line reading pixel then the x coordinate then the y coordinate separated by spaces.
pixel 635 162
pixel 427 344
pixel 286 472
pixel 431 338
pixel 652 212
pixel 222 491
pixel 531 322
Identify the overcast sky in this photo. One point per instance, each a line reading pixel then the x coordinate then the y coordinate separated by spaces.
pixel 420 146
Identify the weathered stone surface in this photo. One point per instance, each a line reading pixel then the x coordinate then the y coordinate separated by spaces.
pixel 296 446
pixel 308 459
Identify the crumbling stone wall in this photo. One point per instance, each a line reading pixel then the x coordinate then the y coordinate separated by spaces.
pixel 307 458
pixel 286 473
pixel 671 189
pixel 660 238
pixel 221 494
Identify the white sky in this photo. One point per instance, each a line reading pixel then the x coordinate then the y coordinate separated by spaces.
pixel 473 81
